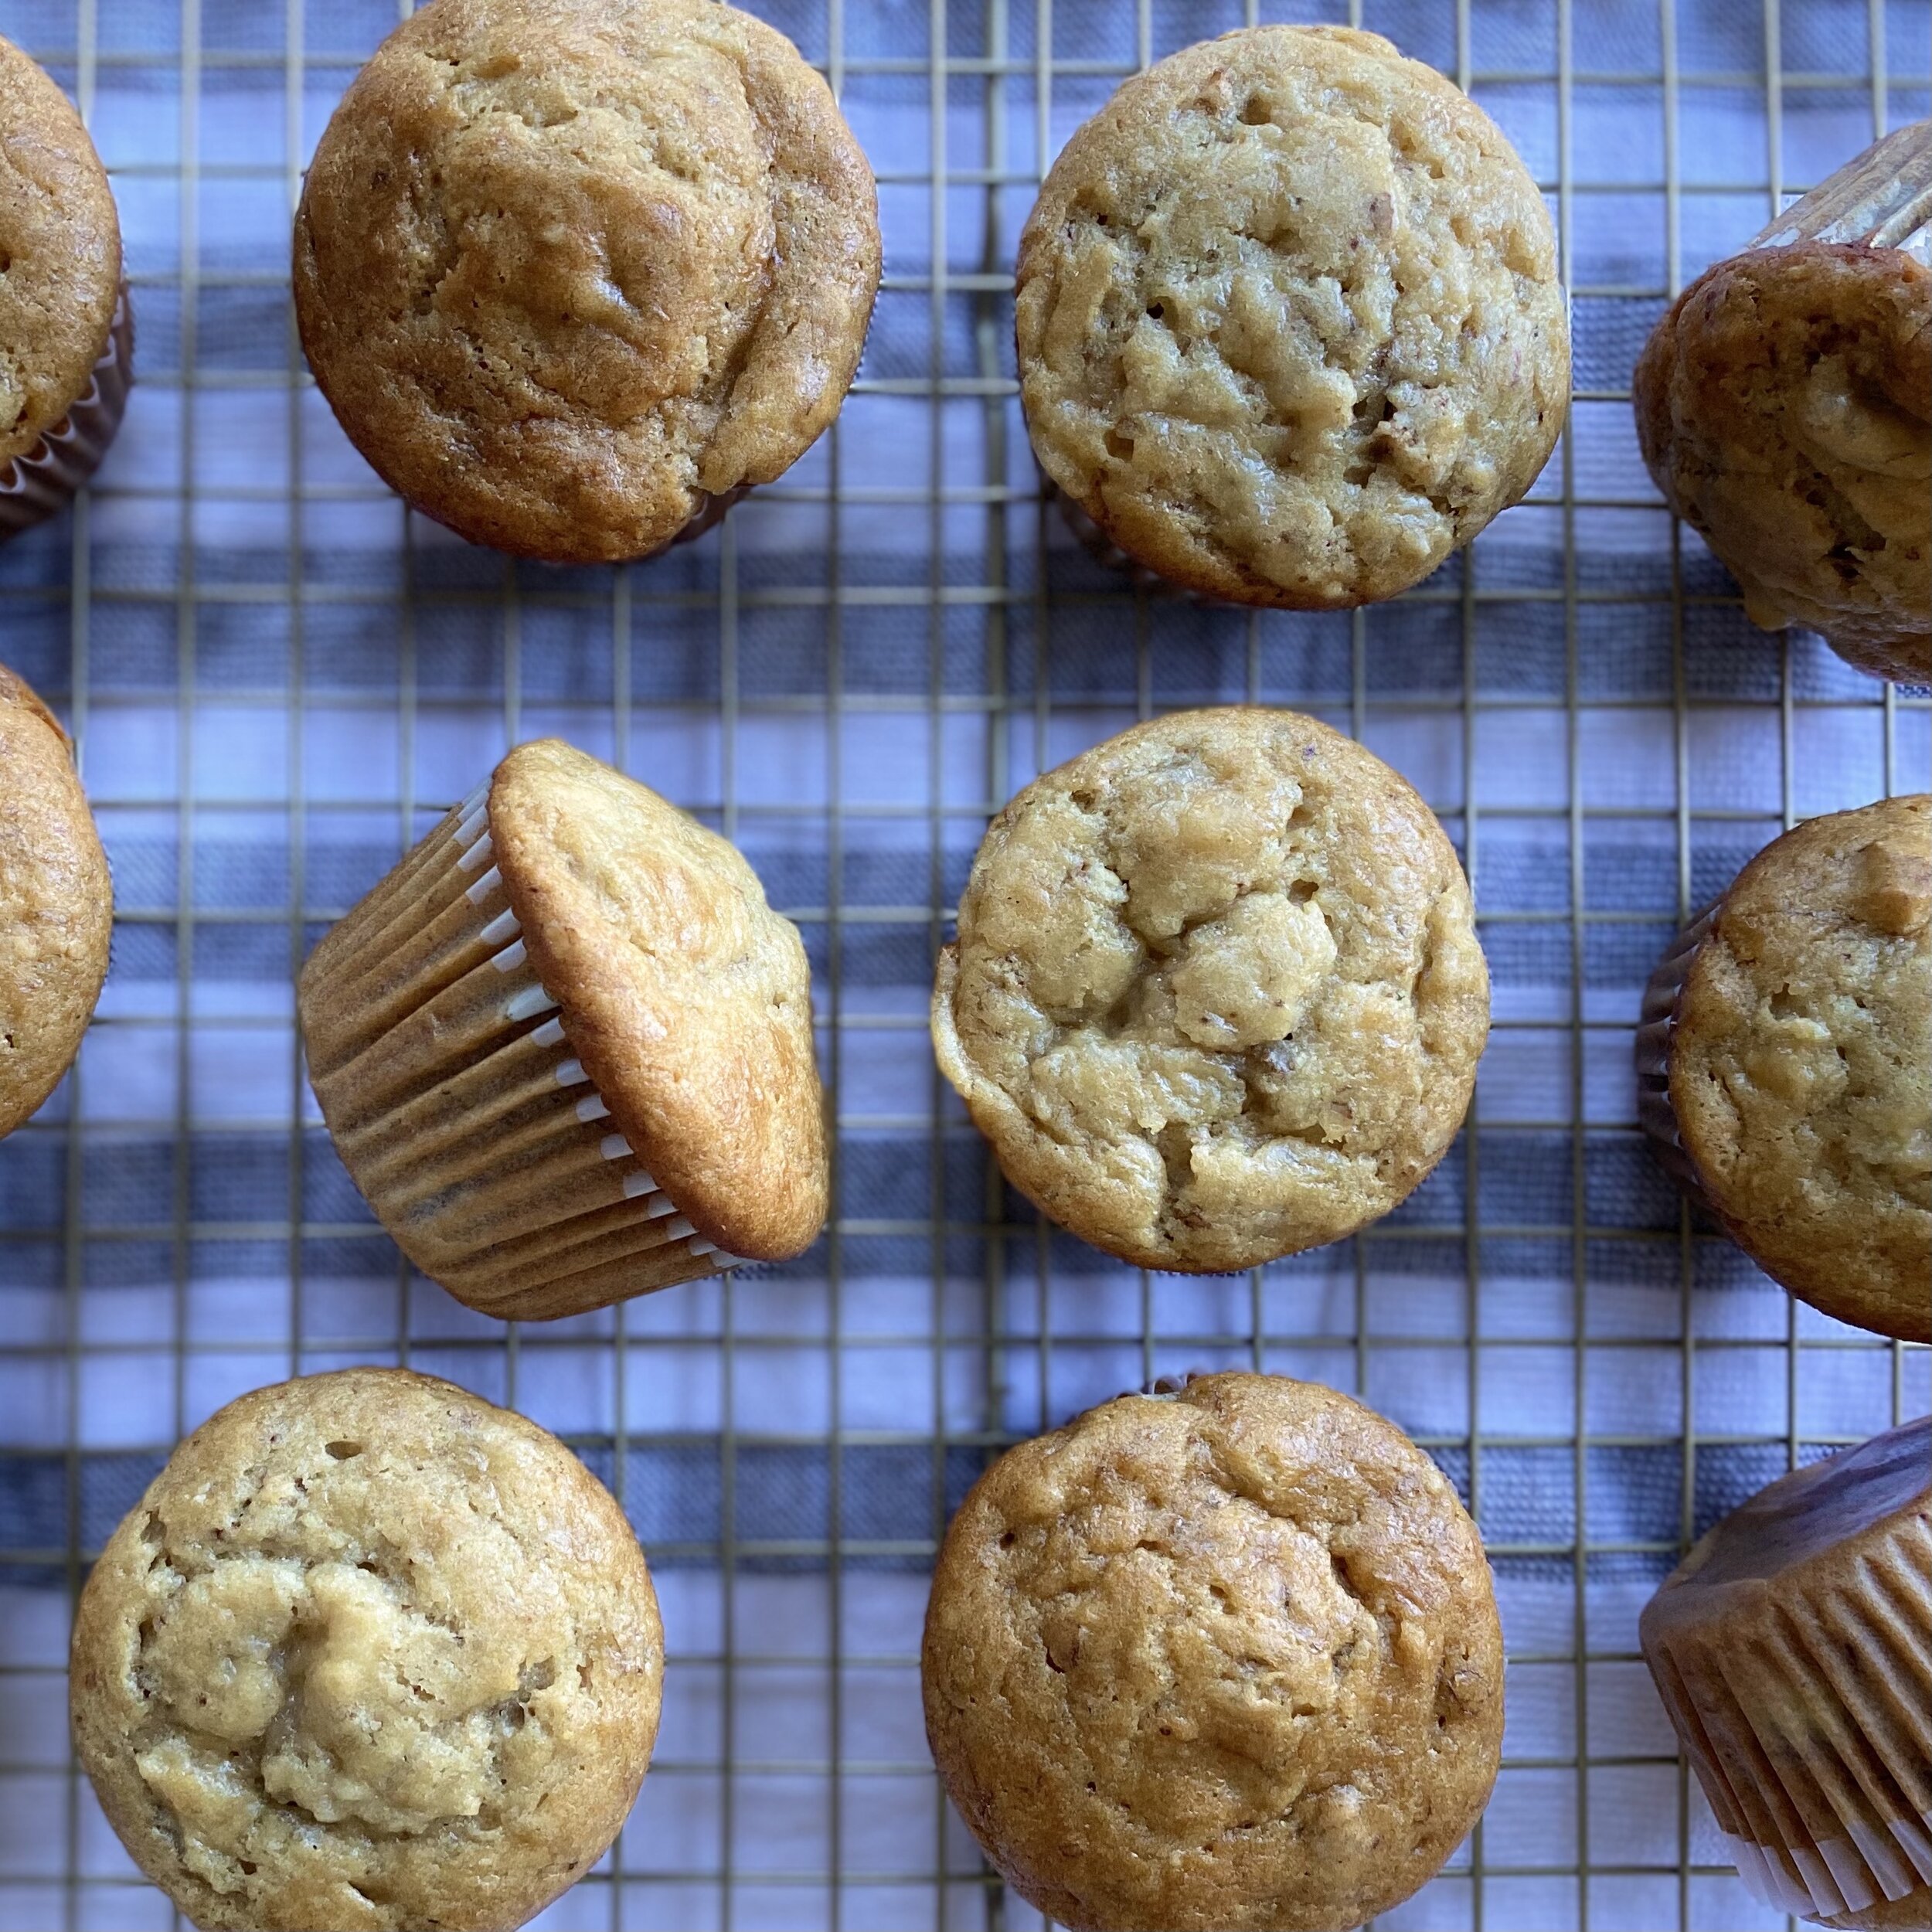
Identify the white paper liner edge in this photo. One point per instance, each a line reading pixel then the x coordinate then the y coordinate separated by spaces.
pixel 525 1000
pixel 1837 1875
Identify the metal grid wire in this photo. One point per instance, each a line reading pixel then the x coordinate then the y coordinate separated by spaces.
pixel 277 680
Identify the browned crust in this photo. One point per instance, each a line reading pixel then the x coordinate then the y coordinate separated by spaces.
pixel 1217 1662
pixel 1798 1073
pixel 466 1520
pixel 1783 407
pixel 1289 325
pixel 57 904
pixel 60 238
pixel 567 270
pixel 688 999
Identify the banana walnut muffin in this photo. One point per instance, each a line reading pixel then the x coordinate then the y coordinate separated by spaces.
pixel 371 1654
pixel 572 273
pixel 1223 1661
pixel 1216 995
pixel 1289 325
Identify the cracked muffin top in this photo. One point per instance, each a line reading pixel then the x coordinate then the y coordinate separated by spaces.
pixel 1223 1660
pixel 56 903
pixel 1216 995
pixel 1290 328
pixel 370 1653
pixel 59 255
pixel 568 270
pixel 1798 1072
pixel 1784 408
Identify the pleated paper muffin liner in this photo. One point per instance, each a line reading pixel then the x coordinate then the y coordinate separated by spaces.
pixel 39 484
pixel 1881 197
pixel 1657 1025
pixel 446 1079
pixel 1810 1728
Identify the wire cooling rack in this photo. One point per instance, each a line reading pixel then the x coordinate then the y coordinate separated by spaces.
pixel 277 679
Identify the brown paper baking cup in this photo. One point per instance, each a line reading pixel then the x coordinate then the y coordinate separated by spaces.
pixel 1657 1023
pixel 1806 1710
pixel 446 1079
pixel 40 484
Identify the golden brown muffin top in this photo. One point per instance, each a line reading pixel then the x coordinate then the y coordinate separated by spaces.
pixel 564 267
pixel 1290 328
pixel 687 999
pixel 1223 1660
pixel 1799 1073
pixel 59 255
pixel 56 903
pixel 370 1653
pixel 1784 407
pixel 1216 995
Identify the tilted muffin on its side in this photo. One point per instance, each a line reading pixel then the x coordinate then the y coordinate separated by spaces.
pixel 371 1654
pixel 1224 1660
pixel 1216 995
pixel 1793 1650
pixel 1784 408
pixel 564 1048
pixel 66 343
pixel 570 271
pixel 1783 1069
pixel 1290 328
pixel 57 904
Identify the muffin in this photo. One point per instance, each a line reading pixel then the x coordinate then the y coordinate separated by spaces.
pixel 1782 1068
pixel 1223 1661
pixel 67 339
pixel 56 903
pixel 573 272
pixel 1784 408
pixel 1793 1650
pixel 564 1048
pixel 370 1652
pixel 1216 995
pixel 1290 327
